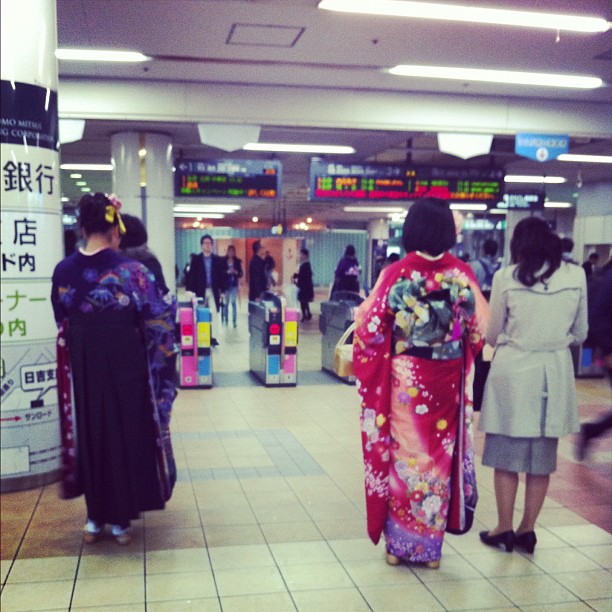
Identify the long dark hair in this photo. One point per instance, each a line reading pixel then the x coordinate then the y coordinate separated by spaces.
pixel 534 247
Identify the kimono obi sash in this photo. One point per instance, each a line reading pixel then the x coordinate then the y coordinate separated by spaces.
pixel 440 352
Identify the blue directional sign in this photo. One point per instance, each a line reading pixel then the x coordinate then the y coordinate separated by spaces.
pixel 541 147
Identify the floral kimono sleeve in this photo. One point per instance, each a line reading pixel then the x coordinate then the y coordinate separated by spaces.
pixel 372 366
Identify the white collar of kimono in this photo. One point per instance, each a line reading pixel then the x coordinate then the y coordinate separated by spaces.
pixel 90 253
pixel 429 257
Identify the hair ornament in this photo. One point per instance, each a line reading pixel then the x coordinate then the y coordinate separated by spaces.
pixel 112 211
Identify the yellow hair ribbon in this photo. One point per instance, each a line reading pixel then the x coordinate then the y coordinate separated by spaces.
pixel 110 214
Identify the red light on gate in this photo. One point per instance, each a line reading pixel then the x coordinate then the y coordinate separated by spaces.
pixel 275 329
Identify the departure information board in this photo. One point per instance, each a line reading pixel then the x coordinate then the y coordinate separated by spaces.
pixel 226 178
pixel 330 180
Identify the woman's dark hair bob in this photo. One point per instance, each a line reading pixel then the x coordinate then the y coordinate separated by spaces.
pixel 135 232
pixel 429 227
pixel 536 249
pixel 92 214
pixel 349 251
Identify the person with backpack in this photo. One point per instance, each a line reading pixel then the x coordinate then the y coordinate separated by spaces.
pixel 486 266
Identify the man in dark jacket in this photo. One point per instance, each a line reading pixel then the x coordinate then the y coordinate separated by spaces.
pixel 207 278
pixel 258 281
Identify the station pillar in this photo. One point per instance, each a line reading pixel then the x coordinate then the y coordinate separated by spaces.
pixel 31 245
pixel 143 181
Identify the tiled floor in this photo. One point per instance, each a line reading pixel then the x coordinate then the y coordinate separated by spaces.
pixel 268 514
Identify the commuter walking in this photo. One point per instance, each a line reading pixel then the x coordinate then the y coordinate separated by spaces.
pixel 270 266
pixel 415 340
pixel 486 266
pixel 116 332
pixel 258 282
pixel 538 309
pixel 207 278
pixel 303 280
pixel 234 274
pixel 346 276
pixel 590 265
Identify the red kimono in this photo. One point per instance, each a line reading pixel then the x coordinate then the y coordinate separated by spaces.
pixel 415 341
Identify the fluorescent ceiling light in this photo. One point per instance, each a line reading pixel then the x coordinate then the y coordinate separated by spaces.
pixel 498 211
pixel 461 206
pixel 100 55
pixel 81 183
pixel 471 14
pixel 591 159
pixel 86 189
pixel 76 175
pixel 298 148
pixel 201 215
pixel 101 167
pixel 524 178
pixel 375 209
pixel 557 204
pixel 536 79
pixel 206 208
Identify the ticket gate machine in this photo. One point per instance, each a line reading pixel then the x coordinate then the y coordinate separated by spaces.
pixel 195 361
pixel 337 314
pixel 273 330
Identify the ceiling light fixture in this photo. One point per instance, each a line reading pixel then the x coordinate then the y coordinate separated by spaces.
pixel 255 219
pixel 86 189
pixel 196 209
pixel 590 159
pixel 510 77
pixel 101 167
pixel 462 206
pixel 298 148
pixel 375 209
pixel 203 216
pixel 81 183
pixel 557 204
pixel 525 178
pixel 470 14
pixel 76 175
pixel 100 55
pixel 498 211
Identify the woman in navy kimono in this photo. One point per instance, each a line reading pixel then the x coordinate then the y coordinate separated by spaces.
pixel 116 332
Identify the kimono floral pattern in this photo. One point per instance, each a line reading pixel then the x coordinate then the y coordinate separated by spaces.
pixel 411 405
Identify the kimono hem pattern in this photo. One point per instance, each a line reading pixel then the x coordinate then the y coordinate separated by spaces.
pixel 415 342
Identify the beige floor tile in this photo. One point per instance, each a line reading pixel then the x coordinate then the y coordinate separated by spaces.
pixel 291 532
pixel 588 585
pixel 300 553
pixel 315 576
pixel 330 600
pixel 268 602
pixel 232 535
pixel 167 537
pixel 42 570
pixel 228 557
pixel 339 529
pixel 601 605
pixel 177 560
pixel 281 513
pixel 557 561
pixel 37 596
pixel 228 516
pixel 495 564
pixel 394 598
pixel 181 518
pixel 559 517
pixel 117 564
pixel 570 606
pixel 531 590
pixel 5 566
pixel 468 595
pixel 582 535
pixel 377 572
pixel 599 554
pixel 201 605
pixel 139 607
pixel 357 550
pixel 249 581
pixel 114 590
pixel 452 567
pixel 180 585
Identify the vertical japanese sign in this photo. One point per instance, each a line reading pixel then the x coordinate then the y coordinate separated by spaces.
pixel 30 243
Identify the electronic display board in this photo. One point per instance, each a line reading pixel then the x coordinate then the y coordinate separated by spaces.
pixel 228 178
pixel 521 201
pixel 330 180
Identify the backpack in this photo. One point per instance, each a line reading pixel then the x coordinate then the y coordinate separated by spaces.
pixel 490 269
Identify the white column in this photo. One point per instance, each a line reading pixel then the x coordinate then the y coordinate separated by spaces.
pixel 31 244
pixel 143 181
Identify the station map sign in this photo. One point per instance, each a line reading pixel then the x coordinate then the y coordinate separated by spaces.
pixel 330 180
pixel 521 201
pixel 225 178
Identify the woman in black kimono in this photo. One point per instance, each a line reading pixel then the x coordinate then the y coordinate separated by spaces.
pixel 303 280
pixel 116 332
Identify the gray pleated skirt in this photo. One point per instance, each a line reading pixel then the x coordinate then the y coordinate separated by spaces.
pixel 529 455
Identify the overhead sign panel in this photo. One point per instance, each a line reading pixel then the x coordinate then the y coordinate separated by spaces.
pixel 225 178
pixel 330 180
pixel 541 147
pixel 521 201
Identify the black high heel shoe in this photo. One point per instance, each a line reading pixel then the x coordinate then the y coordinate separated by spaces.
pixel 527 541
pixel 506 538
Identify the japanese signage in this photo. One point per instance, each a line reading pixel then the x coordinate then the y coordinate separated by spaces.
pixel 395 182
pixel 225 178
pixel 541 147
pixel 521 201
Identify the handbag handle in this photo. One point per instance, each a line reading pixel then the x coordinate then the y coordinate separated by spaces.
pixel 347 332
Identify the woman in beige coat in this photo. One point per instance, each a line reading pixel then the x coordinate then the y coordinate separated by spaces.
pixel 538 309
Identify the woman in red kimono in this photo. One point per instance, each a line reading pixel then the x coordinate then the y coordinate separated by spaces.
pixel 415 340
